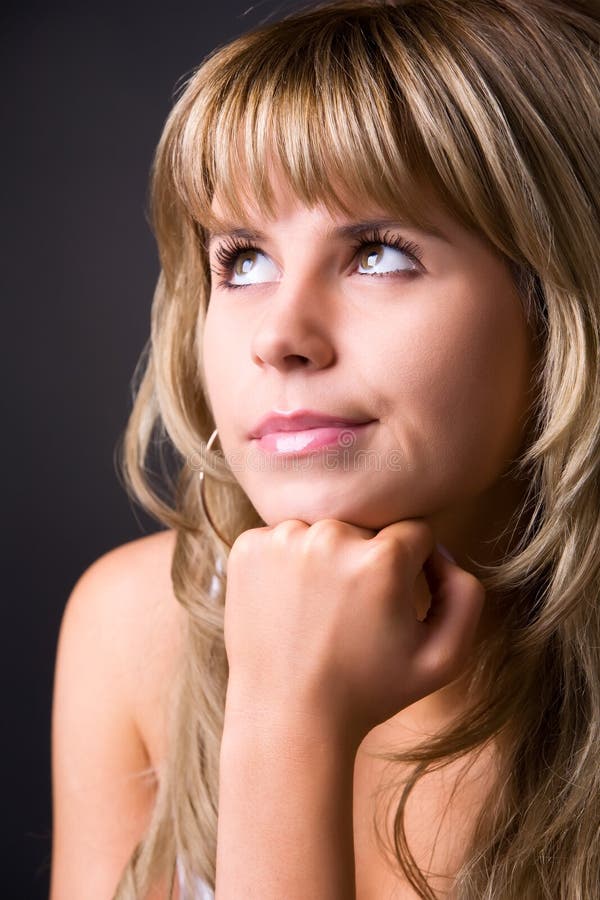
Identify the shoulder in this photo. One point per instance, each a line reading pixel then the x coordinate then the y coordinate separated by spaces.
pixel 128 594
pixel 116 651
pixel 124 602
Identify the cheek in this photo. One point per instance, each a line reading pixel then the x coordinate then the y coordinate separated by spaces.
pixel 222 353
pixel 460 380
pixel 214 367
pixel 207 345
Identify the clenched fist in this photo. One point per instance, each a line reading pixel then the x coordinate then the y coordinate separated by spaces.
pixel 321 617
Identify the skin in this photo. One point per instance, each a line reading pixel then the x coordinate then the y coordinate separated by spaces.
pixel 438 354
pixel 440 357
pixel 442 362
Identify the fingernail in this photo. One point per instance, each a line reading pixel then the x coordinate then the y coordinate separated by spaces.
pixel 445 552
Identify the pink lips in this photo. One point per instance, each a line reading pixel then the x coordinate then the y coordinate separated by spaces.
pixel 304 430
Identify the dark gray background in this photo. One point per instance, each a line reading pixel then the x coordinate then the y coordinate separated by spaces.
pixel 85 89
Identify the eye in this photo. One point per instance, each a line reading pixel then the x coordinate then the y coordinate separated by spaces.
pixel 380 254
pixel 247 266
pixel 379 258
pixel 241 264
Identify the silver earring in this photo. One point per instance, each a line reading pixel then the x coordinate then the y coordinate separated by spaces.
pixel 203 500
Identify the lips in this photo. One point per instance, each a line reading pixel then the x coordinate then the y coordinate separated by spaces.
pixel 302 420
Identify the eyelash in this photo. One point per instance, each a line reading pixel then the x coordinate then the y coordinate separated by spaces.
pixel 227 253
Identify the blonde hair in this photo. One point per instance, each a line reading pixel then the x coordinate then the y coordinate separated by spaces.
pixel 493 107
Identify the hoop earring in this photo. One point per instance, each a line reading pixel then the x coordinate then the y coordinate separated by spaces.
pixel 203 500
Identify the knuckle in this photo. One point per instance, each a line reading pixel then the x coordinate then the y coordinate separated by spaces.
pixel 243 544
pixel 421 528
pixel 416 532
pixel 474 586
pixel 283 531
pixel 324 530
pixel 389 552
pixel 401 553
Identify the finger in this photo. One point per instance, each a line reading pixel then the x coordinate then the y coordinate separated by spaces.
pixel 415 538
pixel 450 626
pixel 342 527
pixel 435 572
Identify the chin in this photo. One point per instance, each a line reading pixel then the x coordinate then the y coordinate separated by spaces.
pixel 311 511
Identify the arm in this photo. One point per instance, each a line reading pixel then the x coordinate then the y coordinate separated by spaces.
pixel 323 645
pixel 285 808
pixel 101 801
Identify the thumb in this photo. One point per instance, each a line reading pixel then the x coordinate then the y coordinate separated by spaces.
pixel 450 626
pixel 438 568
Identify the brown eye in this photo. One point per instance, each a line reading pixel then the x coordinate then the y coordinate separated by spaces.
pixel 371 256
pixel 385 257
pixel 244 262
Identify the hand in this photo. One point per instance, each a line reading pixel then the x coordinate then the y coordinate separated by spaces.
pixel 319 618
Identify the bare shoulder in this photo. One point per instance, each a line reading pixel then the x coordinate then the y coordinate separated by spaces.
pixel 132 602
pixel 118 644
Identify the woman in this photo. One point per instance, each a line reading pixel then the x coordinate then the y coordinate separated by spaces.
pixel 375 351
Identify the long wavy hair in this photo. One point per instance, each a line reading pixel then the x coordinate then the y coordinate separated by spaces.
pixel 493 105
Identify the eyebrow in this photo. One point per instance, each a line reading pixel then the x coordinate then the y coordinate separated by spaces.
pixel 350 230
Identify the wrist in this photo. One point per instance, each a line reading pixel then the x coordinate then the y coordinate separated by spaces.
pixel 286 779
pixel 283 721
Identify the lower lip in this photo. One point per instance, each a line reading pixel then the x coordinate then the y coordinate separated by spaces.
pixel 296 443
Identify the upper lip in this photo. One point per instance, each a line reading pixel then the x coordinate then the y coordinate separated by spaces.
pixel 296 420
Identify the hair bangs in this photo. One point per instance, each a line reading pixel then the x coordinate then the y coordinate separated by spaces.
pixel 320 108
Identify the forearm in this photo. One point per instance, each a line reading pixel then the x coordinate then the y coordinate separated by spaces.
pixel 285 810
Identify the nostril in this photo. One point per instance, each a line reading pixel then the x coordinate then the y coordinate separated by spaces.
pixel 294 360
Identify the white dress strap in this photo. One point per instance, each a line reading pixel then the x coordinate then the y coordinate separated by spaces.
pixel 201 890
pixel 216 579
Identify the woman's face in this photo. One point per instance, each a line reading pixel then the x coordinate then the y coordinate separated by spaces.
pixel 435 354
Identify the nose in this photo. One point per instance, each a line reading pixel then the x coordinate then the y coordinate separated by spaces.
pixel 294 331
